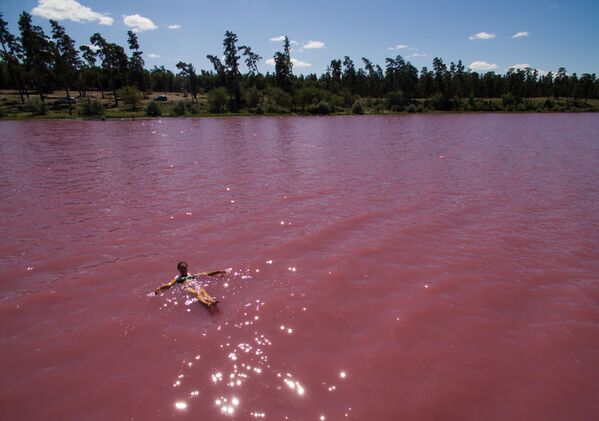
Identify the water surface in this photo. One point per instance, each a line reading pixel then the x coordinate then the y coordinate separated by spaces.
pixel 382 267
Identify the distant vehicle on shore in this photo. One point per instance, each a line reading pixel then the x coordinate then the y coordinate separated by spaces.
pixel 160 98
pixel 64 101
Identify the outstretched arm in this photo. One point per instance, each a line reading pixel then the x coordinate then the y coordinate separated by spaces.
pixel 213 273
pixel 165 286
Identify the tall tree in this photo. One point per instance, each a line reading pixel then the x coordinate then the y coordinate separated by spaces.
pixel 251 59
pixel 284 66
pixel 189 72
pixel 136 63
pixel 440 72
pixel 11 53
pixel 114 61
pixel 37 51
pixel 66 59
pixel 349 74
pixel 334 70
pixel 232 69
pixel 560 83
pixel 219 69
pixel 91 71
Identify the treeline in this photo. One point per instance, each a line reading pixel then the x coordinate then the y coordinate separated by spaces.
pixel 35 63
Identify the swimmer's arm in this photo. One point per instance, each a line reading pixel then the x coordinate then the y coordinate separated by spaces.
pixel 165 286
pixel 213 273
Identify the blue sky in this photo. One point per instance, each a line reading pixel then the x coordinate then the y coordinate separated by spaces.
pixel 480 33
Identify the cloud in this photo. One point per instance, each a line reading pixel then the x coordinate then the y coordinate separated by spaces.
pixel 482 35
pixel 69 10
pixel 154 55
pixel 482 66
pixel 296 62
pixel 138 23
pixel 520 34
pixel 299 63
pixel 398 47
pixel 418 55
pixel 176 26
pixel 278 38
pixel 520 66
pixel 524 66
pixel 92 47
pixel 292 42
pixel 312 45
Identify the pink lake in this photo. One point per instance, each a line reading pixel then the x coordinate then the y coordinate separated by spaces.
pixel 418 267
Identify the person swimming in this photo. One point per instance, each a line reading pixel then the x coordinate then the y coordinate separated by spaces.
pixel 187 280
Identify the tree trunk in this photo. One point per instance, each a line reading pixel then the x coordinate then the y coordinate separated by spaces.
pixel 69 100
pixel 40 91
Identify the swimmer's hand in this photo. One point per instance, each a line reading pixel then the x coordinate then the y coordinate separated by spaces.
pixel 213 273
pixel 165 286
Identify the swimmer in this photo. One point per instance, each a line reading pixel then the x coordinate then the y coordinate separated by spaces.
pixel 186 279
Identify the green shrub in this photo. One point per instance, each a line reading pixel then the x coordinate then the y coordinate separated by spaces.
pixel 179 108
pixel 91 107
pixel 278 98
pixel 357 108
pixel 153 109
pixel 217 99
pixel 411 108
pixel 36 107
pixel 337 102
pixel 251 97
pixel 440 103
pixel 379 107
pixel 259 109
pixel 510 100
pixel 322 107
pixel 396 101
pixel 131 96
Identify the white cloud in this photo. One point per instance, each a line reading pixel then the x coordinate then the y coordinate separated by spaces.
pixel 482 35
pixel 524 66
pixel 418 55
pixel 296 62
pixel 292 42
pixel 482 66
pixel 154 55
pixel 520 34
pixel 176 26
pixel 69 10
pixel 311 45
pixel 299 63
pixel 92 47
pixel 520 66
pixel 398 47
pixel 278 38
pixel 138 23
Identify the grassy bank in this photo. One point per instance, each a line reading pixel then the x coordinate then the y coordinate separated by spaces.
pixel 177 104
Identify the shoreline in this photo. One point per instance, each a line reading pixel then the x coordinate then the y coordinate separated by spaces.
pixel 142 116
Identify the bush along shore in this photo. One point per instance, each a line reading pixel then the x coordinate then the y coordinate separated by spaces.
pixel 45 75
pixel 179 105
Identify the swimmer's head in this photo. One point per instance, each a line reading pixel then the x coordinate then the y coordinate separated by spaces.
pixel 182 268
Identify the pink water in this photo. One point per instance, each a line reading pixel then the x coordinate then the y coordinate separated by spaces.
pixel 382 268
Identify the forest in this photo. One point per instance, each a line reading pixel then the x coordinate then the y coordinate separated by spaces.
pixel 104 78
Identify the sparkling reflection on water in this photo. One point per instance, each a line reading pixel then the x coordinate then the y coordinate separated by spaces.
pixel 382 267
